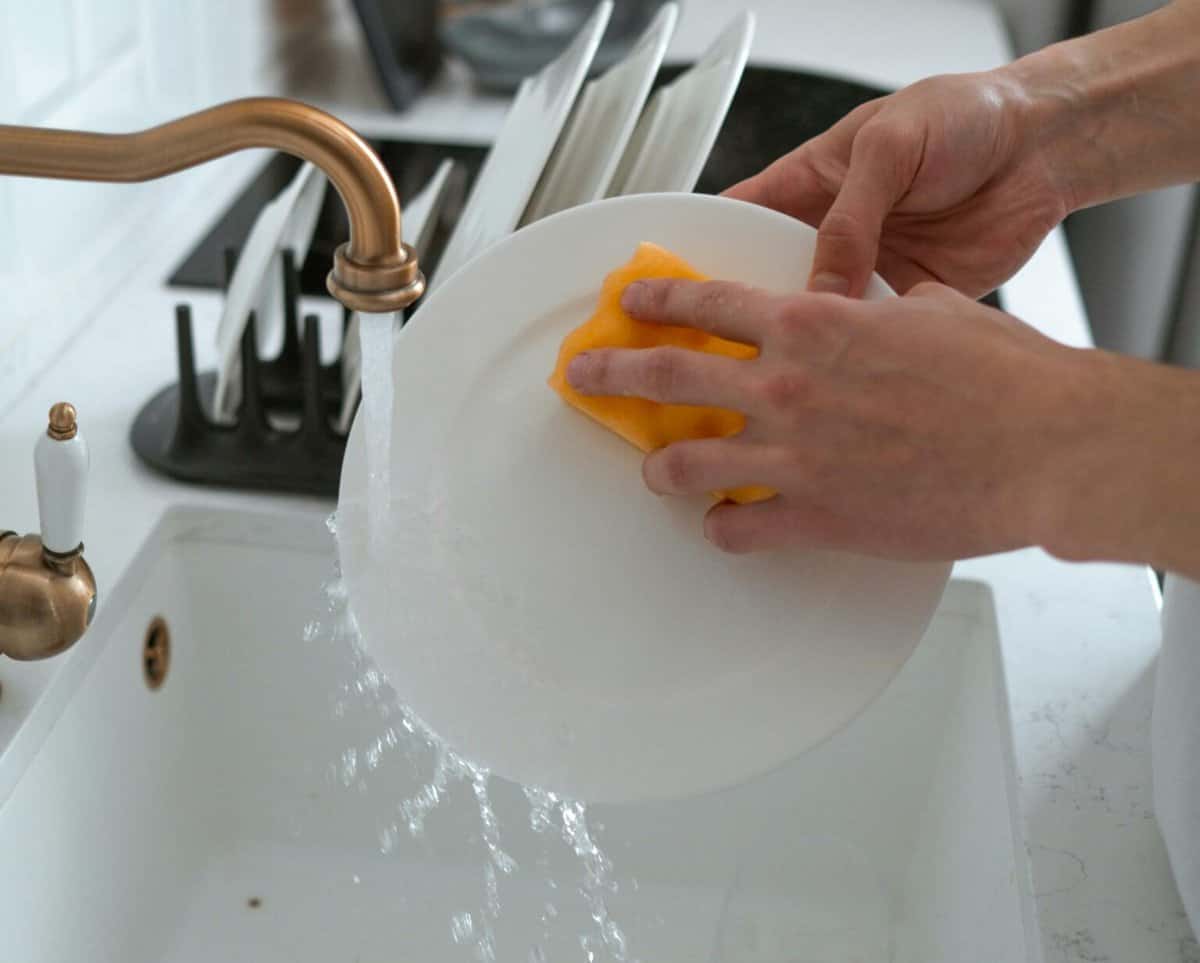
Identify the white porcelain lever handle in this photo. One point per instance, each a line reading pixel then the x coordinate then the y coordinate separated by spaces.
pixel 60 461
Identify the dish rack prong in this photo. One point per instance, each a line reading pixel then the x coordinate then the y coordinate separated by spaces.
pixel 283 436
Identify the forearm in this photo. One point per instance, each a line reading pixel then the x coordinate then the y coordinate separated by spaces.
pixel 1118 112
pixel 1126 487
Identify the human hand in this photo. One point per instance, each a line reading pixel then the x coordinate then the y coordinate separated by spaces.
pixel 921 427
pixel 943 181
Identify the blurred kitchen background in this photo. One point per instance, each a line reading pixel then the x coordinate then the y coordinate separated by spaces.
pixel 123 64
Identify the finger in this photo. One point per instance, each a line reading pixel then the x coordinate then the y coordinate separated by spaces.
pixel 900 272
pixel 669 375
pixel 789 185
pixel 713 464
pixel 776 523
pixel 723 308
pixel 848 238
pixel 794 184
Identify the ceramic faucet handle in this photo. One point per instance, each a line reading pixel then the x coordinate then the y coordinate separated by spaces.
pixel 60 461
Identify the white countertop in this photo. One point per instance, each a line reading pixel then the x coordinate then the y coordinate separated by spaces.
pixel 1079 641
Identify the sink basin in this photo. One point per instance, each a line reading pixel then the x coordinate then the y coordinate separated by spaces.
pixel 236 812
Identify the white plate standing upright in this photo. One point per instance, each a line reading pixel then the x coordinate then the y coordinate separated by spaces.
pixel 420 221
pixel 536 604
pixel 585 161
pixel 509 175
pixel 297 235
pixel 680 125
pixel 287 220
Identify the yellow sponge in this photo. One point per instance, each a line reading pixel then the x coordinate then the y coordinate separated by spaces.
pixel 648 424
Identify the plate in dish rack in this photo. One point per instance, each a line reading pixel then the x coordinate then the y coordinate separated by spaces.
pixel 677 130
pixel 536 604
pixel 585 159
pixel 514 164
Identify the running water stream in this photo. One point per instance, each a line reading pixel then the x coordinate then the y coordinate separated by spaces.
pixel 377 334
pixel 548 811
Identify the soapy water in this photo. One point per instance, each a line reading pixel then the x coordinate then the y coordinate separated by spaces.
pixel 377 340
pixel 552 816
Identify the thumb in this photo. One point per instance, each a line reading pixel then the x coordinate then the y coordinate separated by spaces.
pixel 848 238
pixel 777 186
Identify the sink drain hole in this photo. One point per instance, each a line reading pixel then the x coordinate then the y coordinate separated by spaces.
pixel 156 652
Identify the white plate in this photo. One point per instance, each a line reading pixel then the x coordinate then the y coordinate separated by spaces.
pixel 297 234
pixel 536 604
pixel 287 220
pixel 680 125
pixel 585 160
pixel 509 175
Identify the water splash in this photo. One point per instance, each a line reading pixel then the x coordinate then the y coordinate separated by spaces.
pixel 598 880
pixel 462 928
pixel 551 816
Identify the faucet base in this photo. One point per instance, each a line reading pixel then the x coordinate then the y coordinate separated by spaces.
pixel 46 601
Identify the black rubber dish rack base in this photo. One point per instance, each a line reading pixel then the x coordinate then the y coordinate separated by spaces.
pixel 283 439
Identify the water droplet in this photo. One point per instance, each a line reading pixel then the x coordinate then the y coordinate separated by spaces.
pixel 389 836
pixel 349 767
pixel 614 939
pixel 491 887
pixel 462 928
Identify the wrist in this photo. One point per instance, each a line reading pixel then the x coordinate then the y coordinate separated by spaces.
pixel 1114 113
pixel 1055 112
pixel 1124 484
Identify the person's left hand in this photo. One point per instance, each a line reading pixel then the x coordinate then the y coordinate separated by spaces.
pixel 923 427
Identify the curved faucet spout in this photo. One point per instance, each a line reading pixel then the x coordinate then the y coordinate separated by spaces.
pixel 373 271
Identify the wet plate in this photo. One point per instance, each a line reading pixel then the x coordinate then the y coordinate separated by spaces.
pixel 536 604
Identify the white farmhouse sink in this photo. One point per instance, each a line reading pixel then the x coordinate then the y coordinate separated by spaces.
pixel 215 818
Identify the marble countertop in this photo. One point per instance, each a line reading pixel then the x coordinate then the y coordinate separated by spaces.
pixel 1079 641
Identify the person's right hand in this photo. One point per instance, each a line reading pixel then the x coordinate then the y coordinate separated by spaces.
pixel 943 181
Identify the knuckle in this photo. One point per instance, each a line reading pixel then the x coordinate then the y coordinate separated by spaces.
pixel 658 295
pixel 660 371
pixel 842 226
pixel 671 468
pixel 794 317
pixel 711 298
pixel 593 371
pixel 723 535
pixel 863 113
pixel 927 289
pixel 882 138
pixel 802 322
pixel 784 391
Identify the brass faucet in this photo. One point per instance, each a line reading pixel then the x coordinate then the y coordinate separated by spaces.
pixel 373 271
pixel 47 597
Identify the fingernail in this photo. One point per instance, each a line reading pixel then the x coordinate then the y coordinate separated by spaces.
pixel 577 369
pixel 829 283
pixel 634 297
